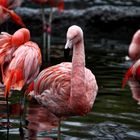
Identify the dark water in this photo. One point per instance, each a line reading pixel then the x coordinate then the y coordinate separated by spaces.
pixel 115 115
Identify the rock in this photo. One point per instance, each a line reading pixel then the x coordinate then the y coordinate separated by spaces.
pixel 105 19
pixel 98 18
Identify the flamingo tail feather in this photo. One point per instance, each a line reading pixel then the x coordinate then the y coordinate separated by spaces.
pixel 128 74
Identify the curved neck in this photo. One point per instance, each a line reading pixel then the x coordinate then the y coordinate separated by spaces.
pixel 78 61
pixel 136 38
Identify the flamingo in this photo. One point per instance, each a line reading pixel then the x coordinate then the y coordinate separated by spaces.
pixel 47 26
pixel 20 60
pixel 134 53
pixel 67 89
pixel 5 11
pixel 134 48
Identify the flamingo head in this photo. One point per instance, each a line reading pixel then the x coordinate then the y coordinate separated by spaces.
pixel 20 37
pixel 134 48
pixel 74 35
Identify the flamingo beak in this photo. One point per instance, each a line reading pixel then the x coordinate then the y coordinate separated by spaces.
pixel 68 44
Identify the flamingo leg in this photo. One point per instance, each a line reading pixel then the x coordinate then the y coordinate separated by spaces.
pixel 44 33
pixel 8 116
pixel 22 109
pixel 22 103
pixel 49 36
pixel 59 130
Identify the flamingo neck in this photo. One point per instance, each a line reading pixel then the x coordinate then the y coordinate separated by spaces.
pixel 78 76
pixel 78 61
pixel 136 38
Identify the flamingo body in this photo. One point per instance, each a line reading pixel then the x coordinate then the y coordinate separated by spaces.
pixel 20 59
pixel 5 11
pixel 67 88
pixel 134 54
pixel 24 66
pixel 134 48
pixel 9 43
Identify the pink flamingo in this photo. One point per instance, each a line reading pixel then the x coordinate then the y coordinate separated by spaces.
pixel 134 54
pixel 20 60
pixel 68 88
pixel 134 48
pixel 5 11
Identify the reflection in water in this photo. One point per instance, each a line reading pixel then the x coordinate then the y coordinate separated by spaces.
pixel 116 115
pixel 40 120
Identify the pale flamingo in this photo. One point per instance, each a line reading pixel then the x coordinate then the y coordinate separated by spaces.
pixel 134 54
pixel 68 88
pixel 6 7
pixel 20 60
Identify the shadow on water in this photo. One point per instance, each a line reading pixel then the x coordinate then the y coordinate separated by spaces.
pixel 115 114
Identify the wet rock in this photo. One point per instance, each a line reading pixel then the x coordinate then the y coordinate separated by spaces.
pixel 97 18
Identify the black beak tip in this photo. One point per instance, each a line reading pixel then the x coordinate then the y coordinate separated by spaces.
pixel 66 54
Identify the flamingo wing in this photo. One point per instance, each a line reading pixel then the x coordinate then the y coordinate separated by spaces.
pixel 91 89
pixel 127 75
pixel 6 48
pixel 23 67
pixel 52 87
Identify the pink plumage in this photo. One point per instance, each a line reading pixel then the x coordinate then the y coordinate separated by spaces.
pixel 68 88
pixel 134 54
pixel 134 48
pixel 20 59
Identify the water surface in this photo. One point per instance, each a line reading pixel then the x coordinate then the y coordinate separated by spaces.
pixel 115 115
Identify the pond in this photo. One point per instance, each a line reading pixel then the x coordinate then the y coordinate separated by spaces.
pixel 115 114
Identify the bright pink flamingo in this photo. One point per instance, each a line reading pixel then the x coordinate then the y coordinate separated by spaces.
pixel 9 43
pixel 134 54
pixel 20 60
pixel 68 88
pixel 5 11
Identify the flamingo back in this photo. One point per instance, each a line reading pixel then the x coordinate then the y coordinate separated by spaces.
pixel 26 63
pixel 6 49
